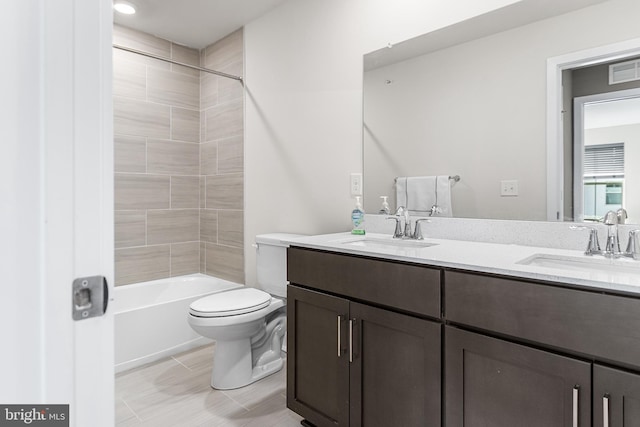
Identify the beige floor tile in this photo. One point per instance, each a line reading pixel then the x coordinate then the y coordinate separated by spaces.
pixel 197 359
pixel 259 392
pixel 176 392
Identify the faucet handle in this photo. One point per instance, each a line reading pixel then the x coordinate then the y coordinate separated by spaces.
pixel 622 215
pixel 633 246
pixel 610 218
pixel 593 247
pixel 418 231
pixel 397 234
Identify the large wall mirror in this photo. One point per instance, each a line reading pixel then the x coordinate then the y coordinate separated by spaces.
pixel 472 100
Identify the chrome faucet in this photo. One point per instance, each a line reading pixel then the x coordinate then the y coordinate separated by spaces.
pixel 612 248
pixel 593 247
pixel 401 213
pixel 417 234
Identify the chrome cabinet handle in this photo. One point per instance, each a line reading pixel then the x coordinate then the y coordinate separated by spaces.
pixel 351 340
pixel 576 390
pixel 605 410
pixel 339 336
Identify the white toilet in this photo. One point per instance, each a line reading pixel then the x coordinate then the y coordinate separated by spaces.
pixel 247 324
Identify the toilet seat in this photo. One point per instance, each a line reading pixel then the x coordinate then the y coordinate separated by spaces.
pixel 230 303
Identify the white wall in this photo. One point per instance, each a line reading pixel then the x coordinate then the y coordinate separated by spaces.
pixel 303 119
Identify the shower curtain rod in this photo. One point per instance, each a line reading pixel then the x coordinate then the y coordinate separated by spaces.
pixel 195 67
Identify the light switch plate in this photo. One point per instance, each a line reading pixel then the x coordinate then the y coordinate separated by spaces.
pixel 509 188
pixel 356 184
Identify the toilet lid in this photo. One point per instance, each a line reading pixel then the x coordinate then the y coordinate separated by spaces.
pixel 230 303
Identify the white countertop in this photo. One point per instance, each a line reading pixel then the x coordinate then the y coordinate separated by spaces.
pixel 614 275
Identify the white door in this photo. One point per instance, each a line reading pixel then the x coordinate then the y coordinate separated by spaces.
pixel 57 211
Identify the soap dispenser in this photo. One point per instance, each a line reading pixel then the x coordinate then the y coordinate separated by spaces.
pixel 385 206
pixel 357 218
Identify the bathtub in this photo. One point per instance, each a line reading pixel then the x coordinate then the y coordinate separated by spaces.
pixel 150 318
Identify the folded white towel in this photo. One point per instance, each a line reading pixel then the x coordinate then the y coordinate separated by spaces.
pixel 420 194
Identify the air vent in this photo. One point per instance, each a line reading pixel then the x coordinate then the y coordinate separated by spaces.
pixel 624 72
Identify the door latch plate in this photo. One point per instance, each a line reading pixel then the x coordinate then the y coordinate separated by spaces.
pixel 90 296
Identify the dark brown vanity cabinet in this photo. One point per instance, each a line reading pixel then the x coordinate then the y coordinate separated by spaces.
pixel 589 328
pixel 616 398
pixel 492 382
pixel 354 364
pixel 374 342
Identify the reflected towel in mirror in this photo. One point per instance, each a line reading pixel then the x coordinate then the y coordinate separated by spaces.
pixel 425 195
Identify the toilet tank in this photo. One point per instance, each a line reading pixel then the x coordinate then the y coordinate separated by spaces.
pixel 271 262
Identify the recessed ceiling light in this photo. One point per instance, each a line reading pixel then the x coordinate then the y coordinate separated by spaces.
pixel 124 7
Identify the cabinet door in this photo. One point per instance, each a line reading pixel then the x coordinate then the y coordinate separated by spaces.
pixel 317 360
pixel 395 370
pixel 616 398
pixel 491 382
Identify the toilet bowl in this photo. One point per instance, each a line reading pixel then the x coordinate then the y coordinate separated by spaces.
pixel 248 324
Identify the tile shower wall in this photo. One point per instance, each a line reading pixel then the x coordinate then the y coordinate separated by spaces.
pixel 170 218
pixel 222 161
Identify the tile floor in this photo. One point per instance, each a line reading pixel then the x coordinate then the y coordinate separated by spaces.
pixel 176 392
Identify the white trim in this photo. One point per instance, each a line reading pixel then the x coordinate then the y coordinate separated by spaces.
pixel 555 66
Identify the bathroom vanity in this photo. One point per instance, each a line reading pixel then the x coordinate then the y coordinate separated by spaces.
pixel 451 333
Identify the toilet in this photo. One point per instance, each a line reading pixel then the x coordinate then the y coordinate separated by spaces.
pixel 248 324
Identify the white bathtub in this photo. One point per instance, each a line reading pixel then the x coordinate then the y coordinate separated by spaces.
pixel 151 317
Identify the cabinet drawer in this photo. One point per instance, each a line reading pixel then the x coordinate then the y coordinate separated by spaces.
pixel 405 287
pixel 603 326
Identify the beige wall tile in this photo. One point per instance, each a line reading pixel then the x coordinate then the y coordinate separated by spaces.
pixel 138 40
pixel 203 255
pixel 171 88
pixel 130 154
pixel 224 121
pixel 229 89
pixel 185 192
pixel 209 90
pixel 209 158
pixel 139 118
pixel 180 158
pixel 185 55
pixel 173 226
pixel 134 265
pixel 225 262
pixel 231 155
pixel 231 228
pixel 203 125
pixel 119 54
pixel 225 52
pixel 129 78
pixel 130 228
pixel 225 192
pixel 209 225
pixel 203 191
pixel 185 258
pixel 185 124
pixel 135 191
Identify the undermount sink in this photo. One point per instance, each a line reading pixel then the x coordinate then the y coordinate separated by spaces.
pixel 377 243
pixel 586 263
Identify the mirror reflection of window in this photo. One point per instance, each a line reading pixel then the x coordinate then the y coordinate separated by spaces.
pixel 603 179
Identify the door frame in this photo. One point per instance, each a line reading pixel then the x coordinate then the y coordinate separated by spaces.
pixel 555 109
pixel 77 358
pixel 578 141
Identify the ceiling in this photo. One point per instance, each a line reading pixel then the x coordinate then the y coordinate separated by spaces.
pixel 194 23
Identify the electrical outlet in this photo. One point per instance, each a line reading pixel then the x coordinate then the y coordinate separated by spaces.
pixel 356 184
pixel 508 188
